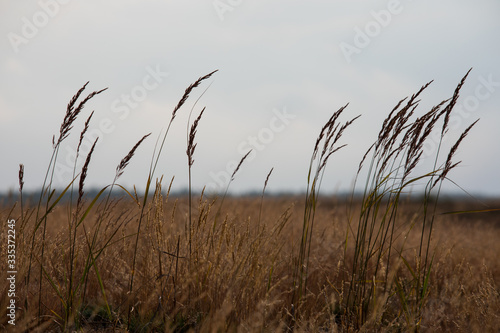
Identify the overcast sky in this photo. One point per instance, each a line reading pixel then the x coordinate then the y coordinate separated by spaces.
pixel 284 67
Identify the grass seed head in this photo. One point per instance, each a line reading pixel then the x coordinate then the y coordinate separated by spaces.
pixel 82 134
pixel 453 101
pixel 188 91
pixel 83 175
pixel 192 134
pixel 72 114
pixel 21 177
pixel 448 166
pixel 239 164
pixel 125 161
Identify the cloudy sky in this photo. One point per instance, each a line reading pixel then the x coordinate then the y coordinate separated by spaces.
pixel 284 67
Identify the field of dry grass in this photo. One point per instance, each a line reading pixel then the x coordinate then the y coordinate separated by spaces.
pixel 240 277
pixel 380 261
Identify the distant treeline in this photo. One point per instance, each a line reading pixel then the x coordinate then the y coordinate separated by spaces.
pixel 32 197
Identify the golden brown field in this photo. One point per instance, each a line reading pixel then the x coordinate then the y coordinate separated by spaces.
pixel 240 277
pixel 379 261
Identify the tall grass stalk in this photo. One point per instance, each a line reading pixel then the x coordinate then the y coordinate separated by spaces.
pixel 395 156
pixel 191 146
pixel 72 222
pixel 73 286
pixel 47 193
pixel 262 197
pixel 152 169
pixel 326 145
pixel 21 185
pixel 92 244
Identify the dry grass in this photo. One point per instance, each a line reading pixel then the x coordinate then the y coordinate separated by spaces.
pixel 241 277
pixel 380 261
